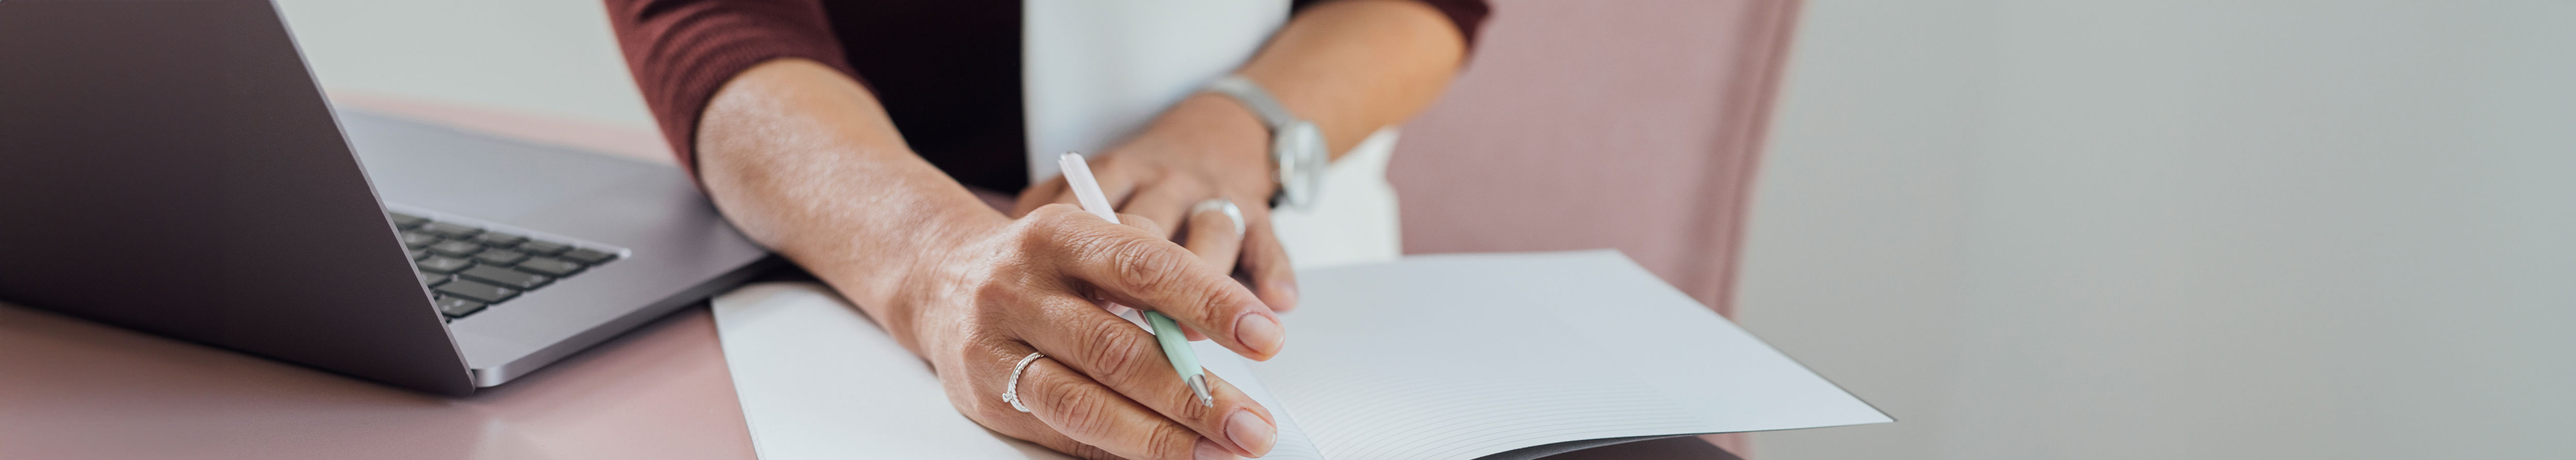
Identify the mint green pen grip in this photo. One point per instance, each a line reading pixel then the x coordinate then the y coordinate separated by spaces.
pixel 1176 346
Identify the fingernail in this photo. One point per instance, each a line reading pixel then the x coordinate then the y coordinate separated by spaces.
pixel 1259 332
pixel 1287 294
pixel 1249 431
pixel 1208 450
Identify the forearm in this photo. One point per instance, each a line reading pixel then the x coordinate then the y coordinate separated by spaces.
pixel 804 160
pixel 1355 66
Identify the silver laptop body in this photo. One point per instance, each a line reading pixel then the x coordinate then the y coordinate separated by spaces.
pixel 172 167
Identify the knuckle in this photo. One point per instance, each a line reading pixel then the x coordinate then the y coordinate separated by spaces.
pixel 1145 267
pixel 1203 303
pixel 1091 452
pixel 994 298
pixel 1212 302
pixel 1115 351
pixel 1070 238
pixel 1167 440
pixel 1082 411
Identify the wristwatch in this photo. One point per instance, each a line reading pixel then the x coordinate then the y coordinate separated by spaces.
pixel 1297 149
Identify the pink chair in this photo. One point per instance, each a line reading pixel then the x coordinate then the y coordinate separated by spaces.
pixel 1632 125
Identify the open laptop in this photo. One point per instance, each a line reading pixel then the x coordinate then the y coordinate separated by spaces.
pixel 172 167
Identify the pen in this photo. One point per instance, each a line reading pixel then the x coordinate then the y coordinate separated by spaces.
pixel 1176 347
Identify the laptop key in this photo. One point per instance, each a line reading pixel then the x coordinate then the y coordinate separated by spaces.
pixel 500 240
pixel 502 257
pixel 417 239
pixel 504 277
pixel 477 291
pixel 430 279
pixel 457 308
pixel 456 248
pixel 418 254
pixel 450 230
pixel 549 266
pixel 443 264
pixel 586 256
pixel 406 221
pixel 543 248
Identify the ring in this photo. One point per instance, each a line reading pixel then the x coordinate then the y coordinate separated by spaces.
pixel 1011 393
pixel 1225 206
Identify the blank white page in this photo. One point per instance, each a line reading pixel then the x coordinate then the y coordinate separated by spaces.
pixel 1457 357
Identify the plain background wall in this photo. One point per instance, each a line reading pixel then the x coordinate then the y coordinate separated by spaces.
pixel 548 57
pixel 2155 229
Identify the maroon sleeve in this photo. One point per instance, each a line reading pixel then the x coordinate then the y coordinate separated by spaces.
pixel 1468 15
pixel 682 51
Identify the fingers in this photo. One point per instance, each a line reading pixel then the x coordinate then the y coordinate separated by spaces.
pixel 1118 355
pixel 1163 202
pixel 986 378
pixel 1150 228
pixel 1213 237
pixel 1090 414
pixel 1150 225
pixel 1265 261
pixel 1145 271
pixel 1027 427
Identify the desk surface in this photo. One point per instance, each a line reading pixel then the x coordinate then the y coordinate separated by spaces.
pixel 75 389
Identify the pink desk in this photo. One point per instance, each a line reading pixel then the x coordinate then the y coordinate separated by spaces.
pixel 71 389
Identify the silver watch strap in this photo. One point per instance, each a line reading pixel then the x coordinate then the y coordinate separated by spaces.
pixel 1254 97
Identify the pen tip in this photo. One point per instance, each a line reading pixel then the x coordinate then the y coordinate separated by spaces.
pixel 1198 386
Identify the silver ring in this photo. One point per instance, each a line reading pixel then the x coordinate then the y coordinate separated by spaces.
pixel 1011 392
pixel 1225 206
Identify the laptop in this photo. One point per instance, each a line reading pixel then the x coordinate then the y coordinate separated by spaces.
pixel 172 167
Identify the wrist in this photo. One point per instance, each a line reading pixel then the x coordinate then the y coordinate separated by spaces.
pixel 901 285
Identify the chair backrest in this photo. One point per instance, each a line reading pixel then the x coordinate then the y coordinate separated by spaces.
pixel 1630 124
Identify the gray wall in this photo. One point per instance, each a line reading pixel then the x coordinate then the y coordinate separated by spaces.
pixel 2176 229
pixel 550 57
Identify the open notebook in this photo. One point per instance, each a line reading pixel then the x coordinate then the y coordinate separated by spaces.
pixel 1433 357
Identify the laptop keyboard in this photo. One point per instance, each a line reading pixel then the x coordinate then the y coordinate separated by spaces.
pixel 470 269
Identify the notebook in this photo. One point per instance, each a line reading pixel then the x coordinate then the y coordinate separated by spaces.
pixel 1467 356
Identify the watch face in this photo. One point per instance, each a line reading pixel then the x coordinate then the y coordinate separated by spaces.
pixel 1300 150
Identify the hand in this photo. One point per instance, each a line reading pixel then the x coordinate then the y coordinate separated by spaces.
pixel 1206 147
pixel 1103 389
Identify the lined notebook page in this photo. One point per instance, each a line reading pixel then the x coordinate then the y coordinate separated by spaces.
pixel 1386 362
pixel 1293 442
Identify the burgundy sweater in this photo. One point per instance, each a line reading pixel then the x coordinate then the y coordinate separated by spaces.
pixel 947 71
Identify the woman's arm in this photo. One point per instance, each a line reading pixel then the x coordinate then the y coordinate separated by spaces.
pixel 803 159
pixel 1354 66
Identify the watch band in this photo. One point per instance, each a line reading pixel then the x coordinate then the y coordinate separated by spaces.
pixel 1297 156
pixel 1254 97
